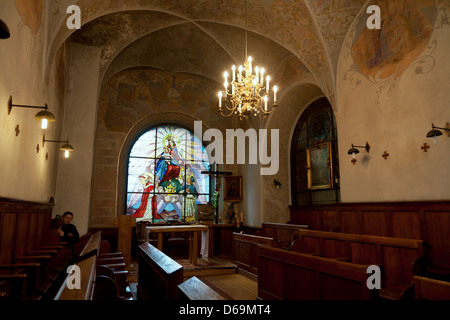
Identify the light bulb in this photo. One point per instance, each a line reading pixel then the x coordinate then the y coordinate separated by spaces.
pixel 435 139
pixel 66 153
pixel 44 123
pixel 354 155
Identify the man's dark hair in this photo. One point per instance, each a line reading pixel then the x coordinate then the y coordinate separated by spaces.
pixel 66 213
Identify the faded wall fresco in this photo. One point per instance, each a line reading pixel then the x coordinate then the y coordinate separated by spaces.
pixel 135 94
pixel 404 34
pixel 31 11
pixel 404 41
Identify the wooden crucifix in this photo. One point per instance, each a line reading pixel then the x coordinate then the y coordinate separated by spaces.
pixel 217 174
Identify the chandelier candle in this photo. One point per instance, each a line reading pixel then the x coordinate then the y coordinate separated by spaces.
pixel 247 95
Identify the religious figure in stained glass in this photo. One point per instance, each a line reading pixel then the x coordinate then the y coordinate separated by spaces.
pixel 164 175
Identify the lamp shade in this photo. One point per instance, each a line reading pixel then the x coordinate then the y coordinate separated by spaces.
pixel 66 147
pixel 434 133
pixel 4 31
pixel 353 151
pixel 45 114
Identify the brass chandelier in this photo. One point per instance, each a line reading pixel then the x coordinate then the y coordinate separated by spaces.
pixel 249 91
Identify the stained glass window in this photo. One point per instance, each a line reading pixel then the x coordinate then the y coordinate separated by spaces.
pixel 164 175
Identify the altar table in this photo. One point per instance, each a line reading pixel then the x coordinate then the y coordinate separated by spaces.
pixel 193 230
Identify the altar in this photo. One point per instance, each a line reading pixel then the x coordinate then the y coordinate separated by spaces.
pixel 193 229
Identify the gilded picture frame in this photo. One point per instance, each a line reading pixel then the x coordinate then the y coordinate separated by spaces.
pixel 320 166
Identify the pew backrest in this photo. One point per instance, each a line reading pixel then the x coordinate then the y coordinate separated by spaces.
pixel 287 275
pixel 396 255
pixel 92 246
pixel 87 274
pixel 245 253
pixel 431 289
pixel 158 275
pixel 282 232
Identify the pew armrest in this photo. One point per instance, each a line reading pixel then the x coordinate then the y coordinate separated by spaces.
pixel 110 255
pixel 115 266
pixel 33 258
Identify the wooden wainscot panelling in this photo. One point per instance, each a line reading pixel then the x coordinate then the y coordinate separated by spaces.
pixel 7 227
pixel 21 234
pixel 438 236
pixel 351 222
pixel 406 224
pixel 375 223
pixel 330 220
pixel 428 221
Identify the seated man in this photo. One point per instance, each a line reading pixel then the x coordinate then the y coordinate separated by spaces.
pixel 68 231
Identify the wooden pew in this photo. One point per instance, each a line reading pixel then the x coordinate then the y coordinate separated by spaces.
pixel 287 275
pixel 159 275
pixel 109 264
pixel 397 256
pixel 283 233
pixel 245 253
pixel 28 246
pixel 431 289
pixel 87 280
pixel 11 286
pixel 103 279
pixel 195 289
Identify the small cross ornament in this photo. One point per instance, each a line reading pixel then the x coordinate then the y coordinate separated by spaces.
pixel 17 131
pixel 37 148
pixel 354 161
pixel 385 155
pixel 425 147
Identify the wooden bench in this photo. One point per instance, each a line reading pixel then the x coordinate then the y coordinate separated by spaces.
pixel 283 233
pixel 87 282
pixel 109 264
pixel 159 275
pixel 398 257
pixel 29 246
pixel 103 275
pixel 431 289
pixel 287 275
pixel 11 287
pixel 245 253
pixel 195 289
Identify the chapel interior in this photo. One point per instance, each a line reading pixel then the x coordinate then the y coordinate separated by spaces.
pixel 348 166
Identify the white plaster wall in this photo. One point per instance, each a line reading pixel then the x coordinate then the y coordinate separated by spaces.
pixel 73 188
pixel 25 174
pixel 398 125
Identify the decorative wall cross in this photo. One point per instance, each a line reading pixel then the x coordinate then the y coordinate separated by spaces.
pixel 37 148
pixel 385 155
pixel 425 147
pixel 354 161
pixel 17 130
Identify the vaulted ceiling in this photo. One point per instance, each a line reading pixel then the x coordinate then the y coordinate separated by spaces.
pixel 204 37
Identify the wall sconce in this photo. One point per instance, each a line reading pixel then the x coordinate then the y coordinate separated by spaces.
pixel 66 147
pixel 434 133
pixel 276 183
pixel 45 116
pixel 354 151
pixel 4 31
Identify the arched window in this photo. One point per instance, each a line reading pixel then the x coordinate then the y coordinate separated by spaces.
pixel 164 175
pixel 314 156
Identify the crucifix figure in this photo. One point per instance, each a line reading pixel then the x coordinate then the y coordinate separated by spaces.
pixel 217 174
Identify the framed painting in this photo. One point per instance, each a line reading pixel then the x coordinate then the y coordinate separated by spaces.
pixel 233 189
pixel 320 166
